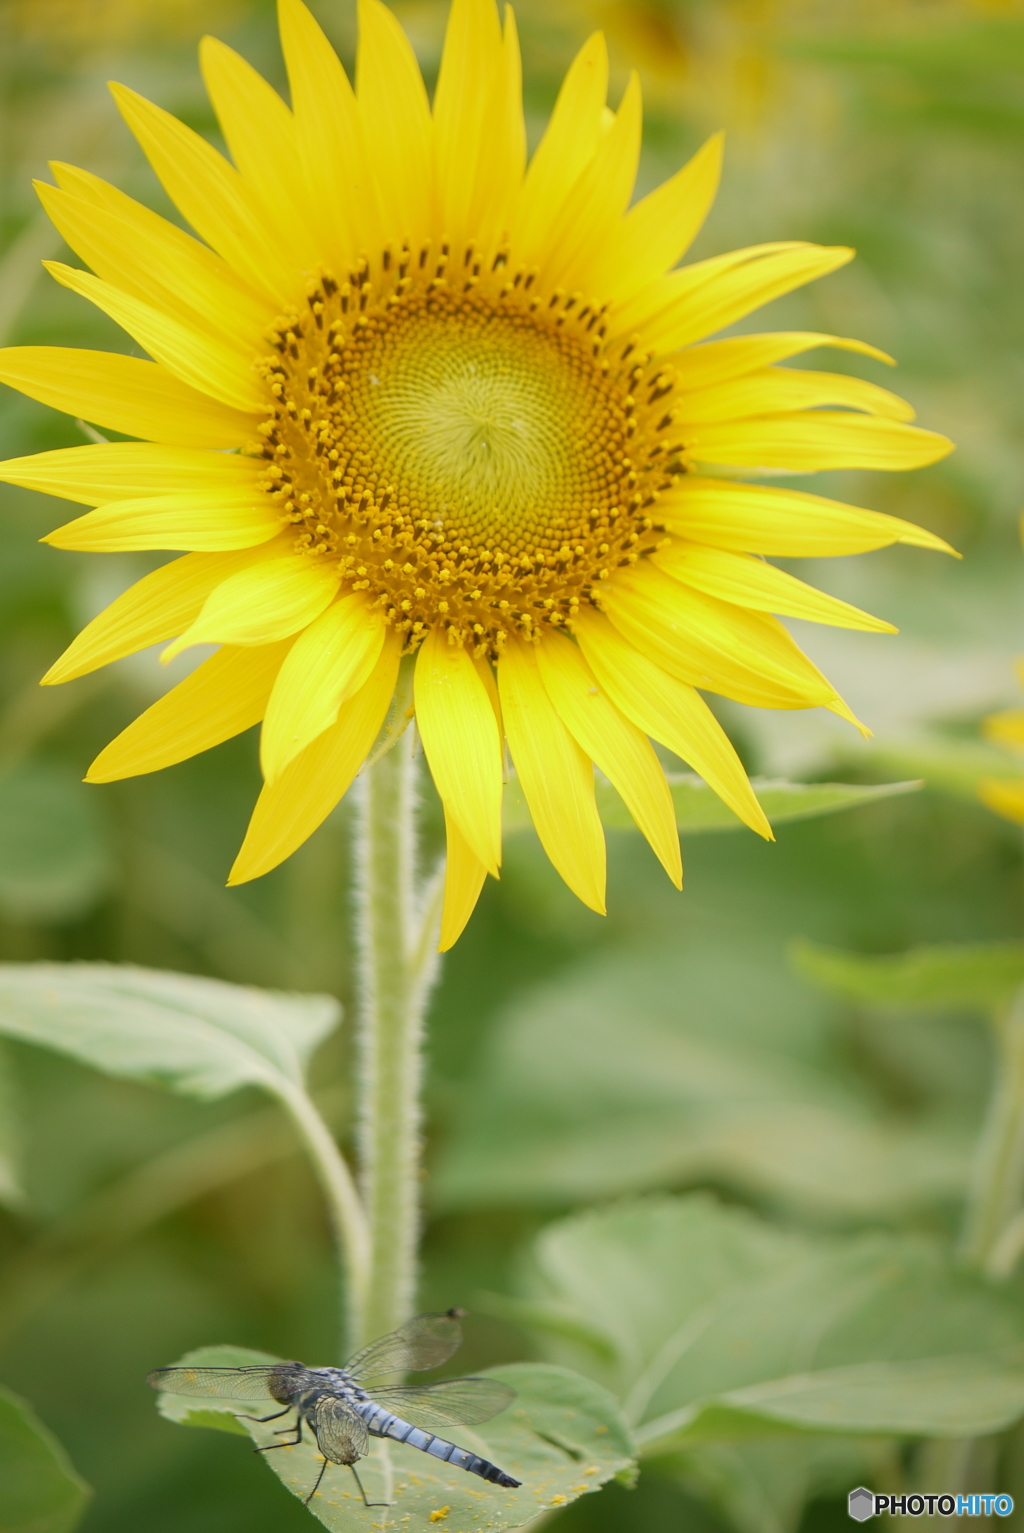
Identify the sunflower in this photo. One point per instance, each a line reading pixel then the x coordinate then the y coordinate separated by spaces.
pixel 412 397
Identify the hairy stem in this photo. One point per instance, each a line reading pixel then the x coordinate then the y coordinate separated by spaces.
pixel 996 1194
pixel 396 965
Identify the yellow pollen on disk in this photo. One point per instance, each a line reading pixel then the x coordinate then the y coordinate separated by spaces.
pixel 470 453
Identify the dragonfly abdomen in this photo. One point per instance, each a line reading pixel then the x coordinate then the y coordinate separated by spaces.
pixel 384 1424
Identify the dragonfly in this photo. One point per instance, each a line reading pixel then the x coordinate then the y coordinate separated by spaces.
pixel 343 1409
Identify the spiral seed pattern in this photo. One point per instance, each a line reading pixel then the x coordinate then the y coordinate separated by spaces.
pixel 469 452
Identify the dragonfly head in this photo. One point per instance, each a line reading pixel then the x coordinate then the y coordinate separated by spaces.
pixel 286 1381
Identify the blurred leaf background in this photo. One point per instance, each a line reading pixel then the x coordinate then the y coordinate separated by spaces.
pixel 669 1048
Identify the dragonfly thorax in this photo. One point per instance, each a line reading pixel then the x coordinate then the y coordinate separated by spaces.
pixel 337 1382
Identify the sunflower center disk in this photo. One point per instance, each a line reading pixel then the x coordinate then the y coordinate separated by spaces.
pixel 470 460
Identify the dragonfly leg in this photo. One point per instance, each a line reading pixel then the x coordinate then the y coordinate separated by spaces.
pixel 275 1417
pixel 362 1491
pixel 316 1487
pixel 294 1442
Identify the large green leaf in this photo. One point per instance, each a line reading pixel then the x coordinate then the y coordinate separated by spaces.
pixel 943 762
pixel 40 1491
pixel 980 974
pixel 648 1069
pixel 762 1366
pixel 55 861
pixel 698 807
pixel 955 1396
pixel 200 1037
pixel 11 1193
pixel 563 1436
pixel 717 1326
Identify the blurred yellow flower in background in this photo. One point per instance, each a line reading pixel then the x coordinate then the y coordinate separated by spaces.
pixel 1005 795
pixel 412 397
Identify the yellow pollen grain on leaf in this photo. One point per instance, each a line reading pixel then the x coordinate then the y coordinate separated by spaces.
pixel 462 454
pixel 440 1514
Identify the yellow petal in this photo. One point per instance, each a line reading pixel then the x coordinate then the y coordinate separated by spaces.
pixel 556 776
pixel 329 661
pixel 199 360
pixel 1005 728
pixel 485 670
pixel 681 287
pixel 262 603
pixel 155 608
pixel 570 139
pixel 1005 796
pixel 211 195
pixel 123 394
pixel 340 193
pixel 464 876
pixel 466 86
pixel 498 188
pixel 762 519
pixel 125 470
pixel 618 748
pixel 460 737
pixel 260 135
pixel 820 439
pixel 289 810
pixel 750 582
pixel 670 711
pixel 152 260
pixel 714 362
pixel 395 117
pixel 656 234
pixel 689 304
pixel 745 655
pixel 772 390
pixel 208 520
pixel 225 695
pixel 596 203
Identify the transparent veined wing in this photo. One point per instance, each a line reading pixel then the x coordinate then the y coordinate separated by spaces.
pixel 425 1341
pixel 449 1403
pixel 219 1383
pixel 340 1433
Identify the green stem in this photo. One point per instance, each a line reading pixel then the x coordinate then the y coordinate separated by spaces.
pixel 996 1193
pixel 396 964
pixel 346 1212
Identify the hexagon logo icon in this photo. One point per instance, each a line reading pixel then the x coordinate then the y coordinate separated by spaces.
pixel 861 1504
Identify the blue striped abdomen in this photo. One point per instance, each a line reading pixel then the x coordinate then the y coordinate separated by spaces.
pixel 383 1424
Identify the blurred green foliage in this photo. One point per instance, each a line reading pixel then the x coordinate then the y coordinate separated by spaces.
pixel 666 1049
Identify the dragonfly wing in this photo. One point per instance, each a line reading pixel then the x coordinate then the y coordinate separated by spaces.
pixel 340 1433
pixel 217 1383
pixel 450 1403
pixel 425 1341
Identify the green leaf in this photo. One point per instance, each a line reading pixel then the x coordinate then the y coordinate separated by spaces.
pixel 980 974
pixel 947 764
pixel 55 861
pixel 963 1395
pixel 563 1436
pixel 698 807
pixel 724 1328
pixel 648 1069
pixel 11 1192
pixel 200 1037
pixel 40 1491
